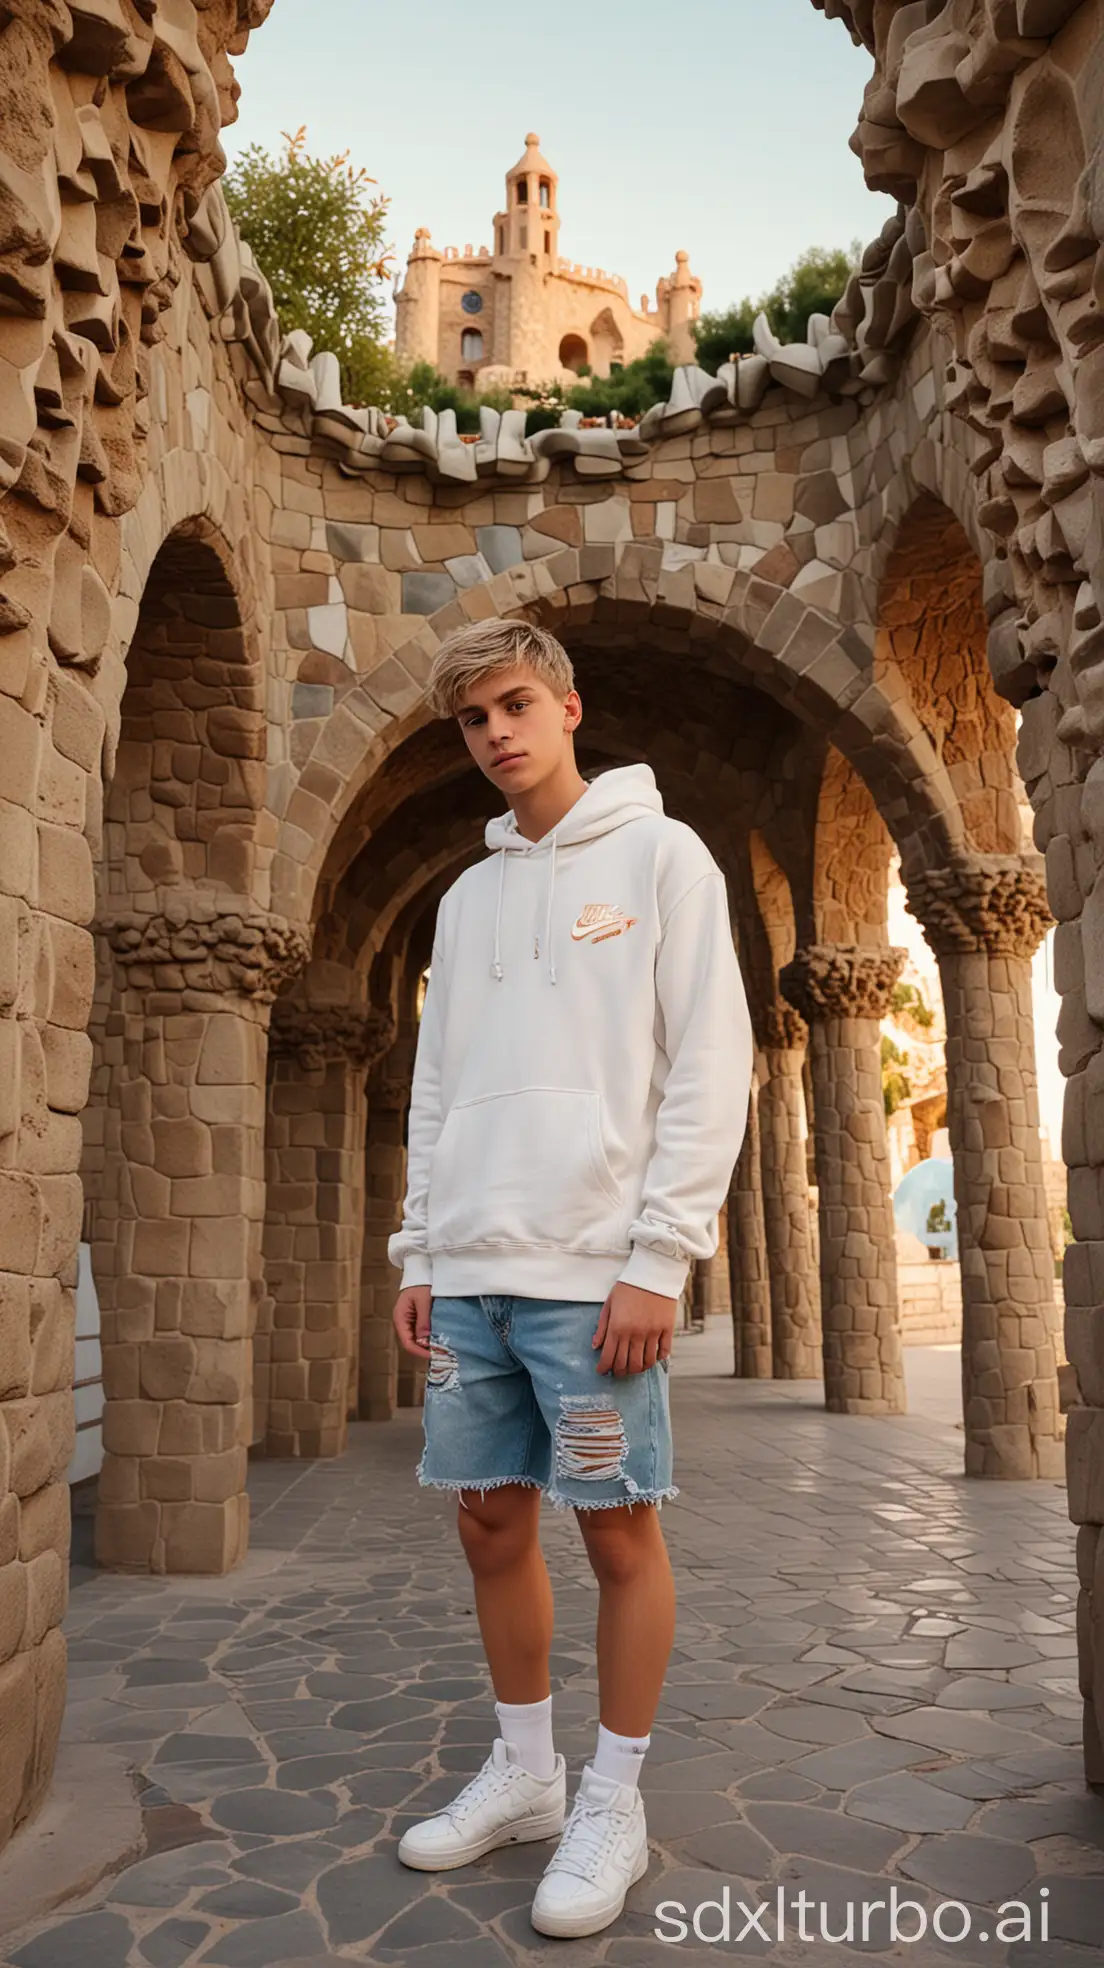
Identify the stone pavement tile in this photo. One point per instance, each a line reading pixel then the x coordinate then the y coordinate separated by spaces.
pixel 965 1733
pixel 358 1897
pixel 245 1899
pixel 853 1763
pixel 292 1862
pixel 195 1783
pixel 812 1722
pixel 317 1772
pixel 431 1918
pixel 258 1943
pixel 92 1940
pixel 357 1828
pixel 275 1813
pixel 908 1803
pixel 972 1780
pixel 163 1881
pixel 1029 1819
pixel 676 1813
pixel 486 1952
pixel 829 1835
pixel 985 1692
pixel 710 1699
pixel 778 1784
pixel 981 1869
pixel 159 1671
pixel 733 1847
pixel 192 1747
pixel 173 1942
pixel 1076 1908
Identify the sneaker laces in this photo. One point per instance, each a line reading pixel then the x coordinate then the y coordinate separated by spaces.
pixel 587 1837
pixel 483 1785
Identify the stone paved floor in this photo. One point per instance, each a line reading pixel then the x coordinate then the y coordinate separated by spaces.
pixel 873 1682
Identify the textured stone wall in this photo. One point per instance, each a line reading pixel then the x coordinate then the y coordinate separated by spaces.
pixel 109 120
pixel 989 121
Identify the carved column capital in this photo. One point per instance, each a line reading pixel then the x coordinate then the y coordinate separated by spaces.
pixel 996 904
pixel 779 1027
pixel 196 945
pixel 320 1035
pixel 841 980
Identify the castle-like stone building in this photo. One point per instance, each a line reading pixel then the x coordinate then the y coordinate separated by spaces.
pixel 520 313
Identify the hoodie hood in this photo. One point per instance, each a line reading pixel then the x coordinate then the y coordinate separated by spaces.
pixel 624 793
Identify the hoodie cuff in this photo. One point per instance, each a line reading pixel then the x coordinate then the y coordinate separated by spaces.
pixel 417 1270
pixel 653 1271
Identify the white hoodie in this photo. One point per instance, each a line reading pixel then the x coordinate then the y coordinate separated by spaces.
pixel 584 1061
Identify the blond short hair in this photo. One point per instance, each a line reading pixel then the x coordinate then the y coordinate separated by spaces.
pixel 477 651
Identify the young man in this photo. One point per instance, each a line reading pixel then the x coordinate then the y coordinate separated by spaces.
pixel 579 1098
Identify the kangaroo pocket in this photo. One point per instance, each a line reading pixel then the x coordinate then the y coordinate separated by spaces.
pixel 526 1167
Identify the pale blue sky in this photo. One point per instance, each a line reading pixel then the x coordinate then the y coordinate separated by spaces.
pixel 717 125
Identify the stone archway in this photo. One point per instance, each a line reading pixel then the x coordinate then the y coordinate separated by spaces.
pixel 188 969
pixel 983 921
pixel 635 649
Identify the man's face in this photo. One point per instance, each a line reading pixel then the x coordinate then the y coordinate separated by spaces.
pixel 516 728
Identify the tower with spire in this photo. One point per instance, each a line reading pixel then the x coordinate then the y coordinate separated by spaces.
pixel 516 314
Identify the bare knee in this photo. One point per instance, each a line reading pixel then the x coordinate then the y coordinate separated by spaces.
pixel 498 1529
pixel 622 1545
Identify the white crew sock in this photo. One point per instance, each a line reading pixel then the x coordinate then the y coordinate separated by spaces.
pixel 620 1758
pixel 528 1727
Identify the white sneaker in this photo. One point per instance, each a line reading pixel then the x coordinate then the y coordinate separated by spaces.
pixel 603 1851
pixel 504 1805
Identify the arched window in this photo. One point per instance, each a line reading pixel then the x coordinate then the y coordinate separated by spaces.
pixel 548 242
pixel 573 353
pixel 545 194
pixel 523 191
pixel 471 345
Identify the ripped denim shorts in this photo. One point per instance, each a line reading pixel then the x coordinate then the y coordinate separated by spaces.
pixel 513 1395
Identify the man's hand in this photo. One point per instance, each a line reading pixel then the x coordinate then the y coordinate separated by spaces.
pixel 411 1319
pixel 634 1329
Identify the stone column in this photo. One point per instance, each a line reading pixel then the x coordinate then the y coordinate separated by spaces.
pixel 984 921
pixel 177 1232
pixel 843 992
pixel 747 1258
pixel 794 1293
pixel 712 1291
pixel 314 1221
pixel 384 1188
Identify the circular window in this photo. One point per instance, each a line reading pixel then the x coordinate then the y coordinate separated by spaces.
pixel 471 302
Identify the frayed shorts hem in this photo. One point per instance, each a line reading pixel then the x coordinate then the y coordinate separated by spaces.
pixel 559 1501
pixel 481 1484
pixel 556 1498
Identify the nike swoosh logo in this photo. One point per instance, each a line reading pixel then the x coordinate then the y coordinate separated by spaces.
pixel 596 923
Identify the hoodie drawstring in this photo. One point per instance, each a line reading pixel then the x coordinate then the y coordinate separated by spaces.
pixel 548 916
pixel 496 961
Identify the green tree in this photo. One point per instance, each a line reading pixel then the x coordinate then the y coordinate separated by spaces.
pixel 629 390
pixel 896 1085
pixel 720 336
pixel 813 285
pixel 909 1002
pixel 317 232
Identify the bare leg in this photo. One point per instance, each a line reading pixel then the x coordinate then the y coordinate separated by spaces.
pixel 499 1530
pixel 636 1612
